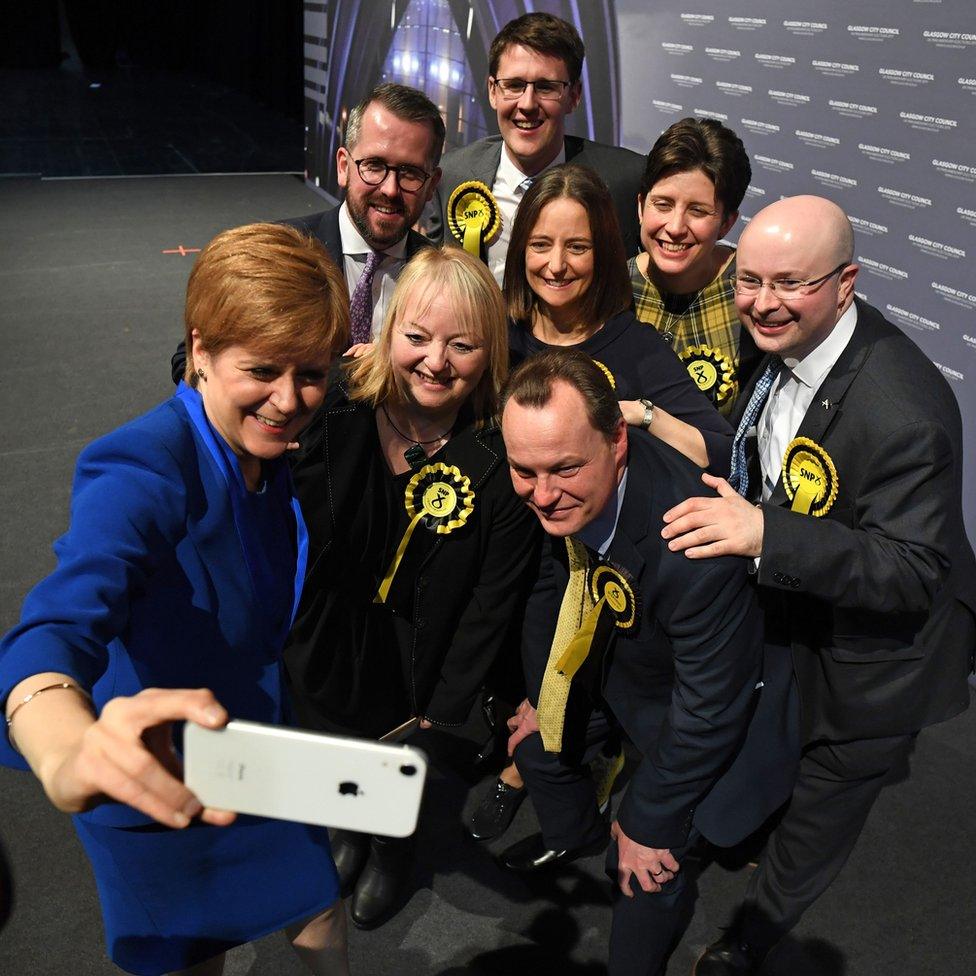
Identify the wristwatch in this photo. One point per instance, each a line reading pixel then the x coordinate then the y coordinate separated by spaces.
pixel 648 413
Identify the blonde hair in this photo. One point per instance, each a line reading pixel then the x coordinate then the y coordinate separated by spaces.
pixel 270 288
pixel 479 309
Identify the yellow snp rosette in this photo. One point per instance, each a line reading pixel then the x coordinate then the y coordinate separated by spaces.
pixel 613 594
pixel 809 477
pixel 473 216
pixel 711 371
pixel 606 372
pixel 440 496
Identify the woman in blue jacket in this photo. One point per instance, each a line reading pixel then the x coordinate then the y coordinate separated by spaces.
pixel 175 587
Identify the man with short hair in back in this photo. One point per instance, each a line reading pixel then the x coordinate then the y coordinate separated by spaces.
pixel 534 67
pixel 623 633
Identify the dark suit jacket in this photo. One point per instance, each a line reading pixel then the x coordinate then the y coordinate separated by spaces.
pixel 458 599
pixel 716 753
pixel 325 227
pixel 619 168
pixel 876 598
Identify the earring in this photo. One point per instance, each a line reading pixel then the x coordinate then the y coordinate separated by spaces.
pixel 201 374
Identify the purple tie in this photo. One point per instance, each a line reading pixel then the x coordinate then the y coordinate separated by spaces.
pixel 361 305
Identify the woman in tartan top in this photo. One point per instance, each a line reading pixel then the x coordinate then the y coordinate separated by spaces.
pixel 694 181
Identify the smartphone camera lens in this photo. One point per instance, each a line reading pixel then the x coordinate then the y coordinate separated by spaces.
pixel 408 770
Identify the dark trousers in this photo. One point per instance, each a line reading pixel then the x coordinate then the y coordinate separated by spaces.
pixel 838 783
pixel 647 927
pixel 561 787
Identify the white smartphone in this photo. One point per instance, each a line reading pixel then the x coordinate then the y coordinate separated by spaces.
pixel 291 774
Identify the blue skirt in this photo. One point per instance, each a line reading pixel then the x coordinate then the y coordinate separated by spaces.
pixel 172 898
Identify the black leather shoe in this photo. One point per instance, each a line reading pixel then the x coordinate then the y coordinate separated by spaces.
pixel 349 851
pixel 496 811
pixel 531 854
pixel 382 883
pixel 729 957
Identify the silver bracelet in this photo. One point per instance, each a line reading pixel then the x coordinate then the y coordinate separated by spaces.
pixel 40 691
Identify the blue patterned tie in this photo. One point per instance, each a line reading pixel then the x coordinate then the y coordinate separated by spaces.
pixel 361 303
pixel 739 478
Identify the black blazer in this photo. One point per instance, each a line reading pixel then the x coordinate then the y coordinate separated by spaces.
pixel 620 169
pixel 324 226
pixel 466 593
pixel 716 752
pixel 876 598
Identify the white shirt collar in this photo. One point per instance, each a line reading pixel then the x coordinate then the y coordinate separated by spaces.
pixel 811 370
pixel 353 243
pixel 598 534
pixel 509 176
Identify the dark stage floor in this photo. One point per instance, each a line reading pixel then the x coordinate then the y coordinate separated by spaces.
pixel 72 121
pixel 92 277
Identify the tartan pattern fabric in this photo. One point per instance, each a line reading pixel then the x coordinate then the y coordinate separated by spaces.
pixel 710 320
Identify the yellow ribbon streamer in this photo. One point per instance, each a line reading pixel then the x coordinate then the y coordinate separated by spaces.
pixel 384 589
pixel 580 646
pixel 441 492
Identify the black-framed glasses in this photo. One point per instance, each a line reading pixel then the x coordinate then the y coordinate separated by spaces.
pixel 745 284
pixel 548 89
pixel 373 171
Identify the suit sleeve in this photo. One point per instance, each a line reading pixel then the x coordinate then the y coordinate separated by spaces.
pixel 714 627
pixel 488 625
pixel 434 214
pixel 891 552
pixel 127 512
pixel 670 387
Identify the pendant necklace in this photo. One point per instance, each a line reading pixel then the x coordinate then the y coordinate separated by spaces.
pixel 415 455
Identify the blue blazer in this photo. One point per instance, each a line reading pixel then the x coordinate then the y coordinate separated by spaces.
pixel 160 581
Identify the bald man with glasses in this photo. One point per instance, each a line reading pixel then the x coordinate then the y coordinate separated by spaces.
pixel 846 492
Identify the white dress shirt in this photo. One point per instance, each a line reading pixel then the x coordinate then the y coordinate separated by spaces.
pixel 354 253
pixel 792 393
pixel 508 192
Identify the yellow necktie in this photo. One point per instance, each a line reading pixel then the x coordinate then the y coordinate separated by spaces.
pixel 558 677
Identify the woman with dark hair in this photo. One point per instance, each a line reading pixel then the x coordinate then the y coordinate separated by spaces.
pixel 171 600
pixel 566 285
pixel 694 181
pixel 420 552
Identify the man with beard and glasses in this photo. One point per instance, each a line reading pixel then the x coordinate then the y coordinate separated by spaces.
pixel 388 167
